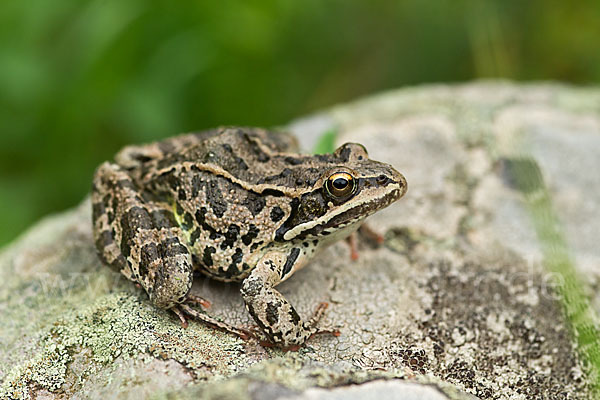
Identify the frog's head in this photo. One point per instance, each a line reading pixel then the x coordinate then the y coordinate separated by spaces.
pixel 348 187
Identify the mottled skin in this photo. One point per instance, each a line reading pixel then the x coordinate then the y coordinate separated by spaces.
pixel 236 204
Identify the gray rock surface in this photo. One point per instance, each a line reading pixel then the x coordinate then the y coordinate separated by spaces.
pixel 376 390
pixel 456 303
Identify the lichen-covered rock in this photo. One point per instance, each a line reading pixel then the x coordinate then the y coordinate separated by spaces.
pixel 458 301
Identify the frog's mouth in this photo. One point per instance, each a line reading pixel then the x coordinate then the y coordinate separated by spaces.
pixel 350 216
pixel 362 211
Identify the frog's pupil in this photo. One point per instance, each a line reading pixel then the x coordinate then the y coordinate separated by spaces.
pixel 340 183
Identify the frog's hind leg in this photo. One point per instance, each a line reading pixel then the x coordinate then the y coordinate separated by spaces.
pixel 109 188
pixel 143 241
pixel 140 238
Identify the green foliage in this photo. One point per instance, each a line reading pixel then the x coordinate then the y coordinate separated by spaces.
pixel 81 78
pixel 326 143
pixel 558 261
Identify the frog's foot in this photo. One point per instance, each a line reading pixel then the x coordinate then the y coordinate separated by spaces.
pixel 193 299
pixel 177 311
pixel 370 234
pixel 183 311
pixel 351 240
pixel 367 234
pixel 190 299
pixel 319 312
pixel 313 322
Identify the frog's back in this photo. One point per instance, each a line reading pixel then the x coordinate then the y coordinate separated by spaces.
pixel 217 187
pixel 256 159
pixel 135 156
pixel 226 226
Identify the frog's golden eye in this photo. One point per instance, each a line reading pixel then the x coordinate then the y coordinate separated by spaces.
pixel 340 184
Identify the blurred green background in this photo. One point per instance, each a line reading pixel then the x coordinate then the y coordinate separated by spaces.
pixel 81 78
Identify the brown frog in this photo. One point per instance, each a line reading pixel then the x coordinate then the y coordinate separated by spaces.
pixel 237 204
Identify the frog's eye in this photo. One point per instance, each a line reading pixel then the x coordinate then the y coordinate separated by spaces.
pixel 340 184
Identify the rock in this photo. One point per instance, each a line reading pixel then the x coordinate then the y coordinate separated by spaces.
pixel 461 301
pixel 381 390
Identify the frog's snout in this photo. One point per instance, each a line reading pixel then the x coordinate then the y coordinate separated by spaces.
pixel 402 181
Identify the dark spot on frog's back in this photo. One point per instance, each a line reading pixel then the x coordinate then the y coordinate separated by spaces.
pixel 294 316
pixel 215 198
pixel 194 236
pixel 169 178
pixel 142 158
pixel 521 173
pixel 286 172
pixel 207 256
pixel 237 257
pixel 114 201
pixel 205 226
pixel 238 162
pixel 227 147
pixel 325 158
pixel 232 269
pixel 230 236
pixel 255 149
pixel 276 214
pixel 251 235
pixel 294 160
pixel 188 221
pixel 254 203
pixel 256 245
pixel 197 184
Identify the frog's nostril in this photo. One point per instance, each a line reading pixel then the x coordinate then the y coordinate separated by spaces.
pixel 381 179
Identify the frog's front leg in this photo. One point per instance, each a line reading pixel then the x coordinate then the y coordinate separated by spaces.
pixel 275 316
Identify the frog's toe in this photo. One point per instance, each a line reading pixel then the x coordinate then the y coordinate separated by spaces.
pixel 333 332
pixel 181 316
pixel 194 299
pixel 351 240
pixel 318 314
pixel 371 235
pixel 366 235
pixel 242 333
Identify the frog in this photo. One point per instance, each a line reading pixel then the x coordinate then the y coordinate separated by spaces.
pixel 237 204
